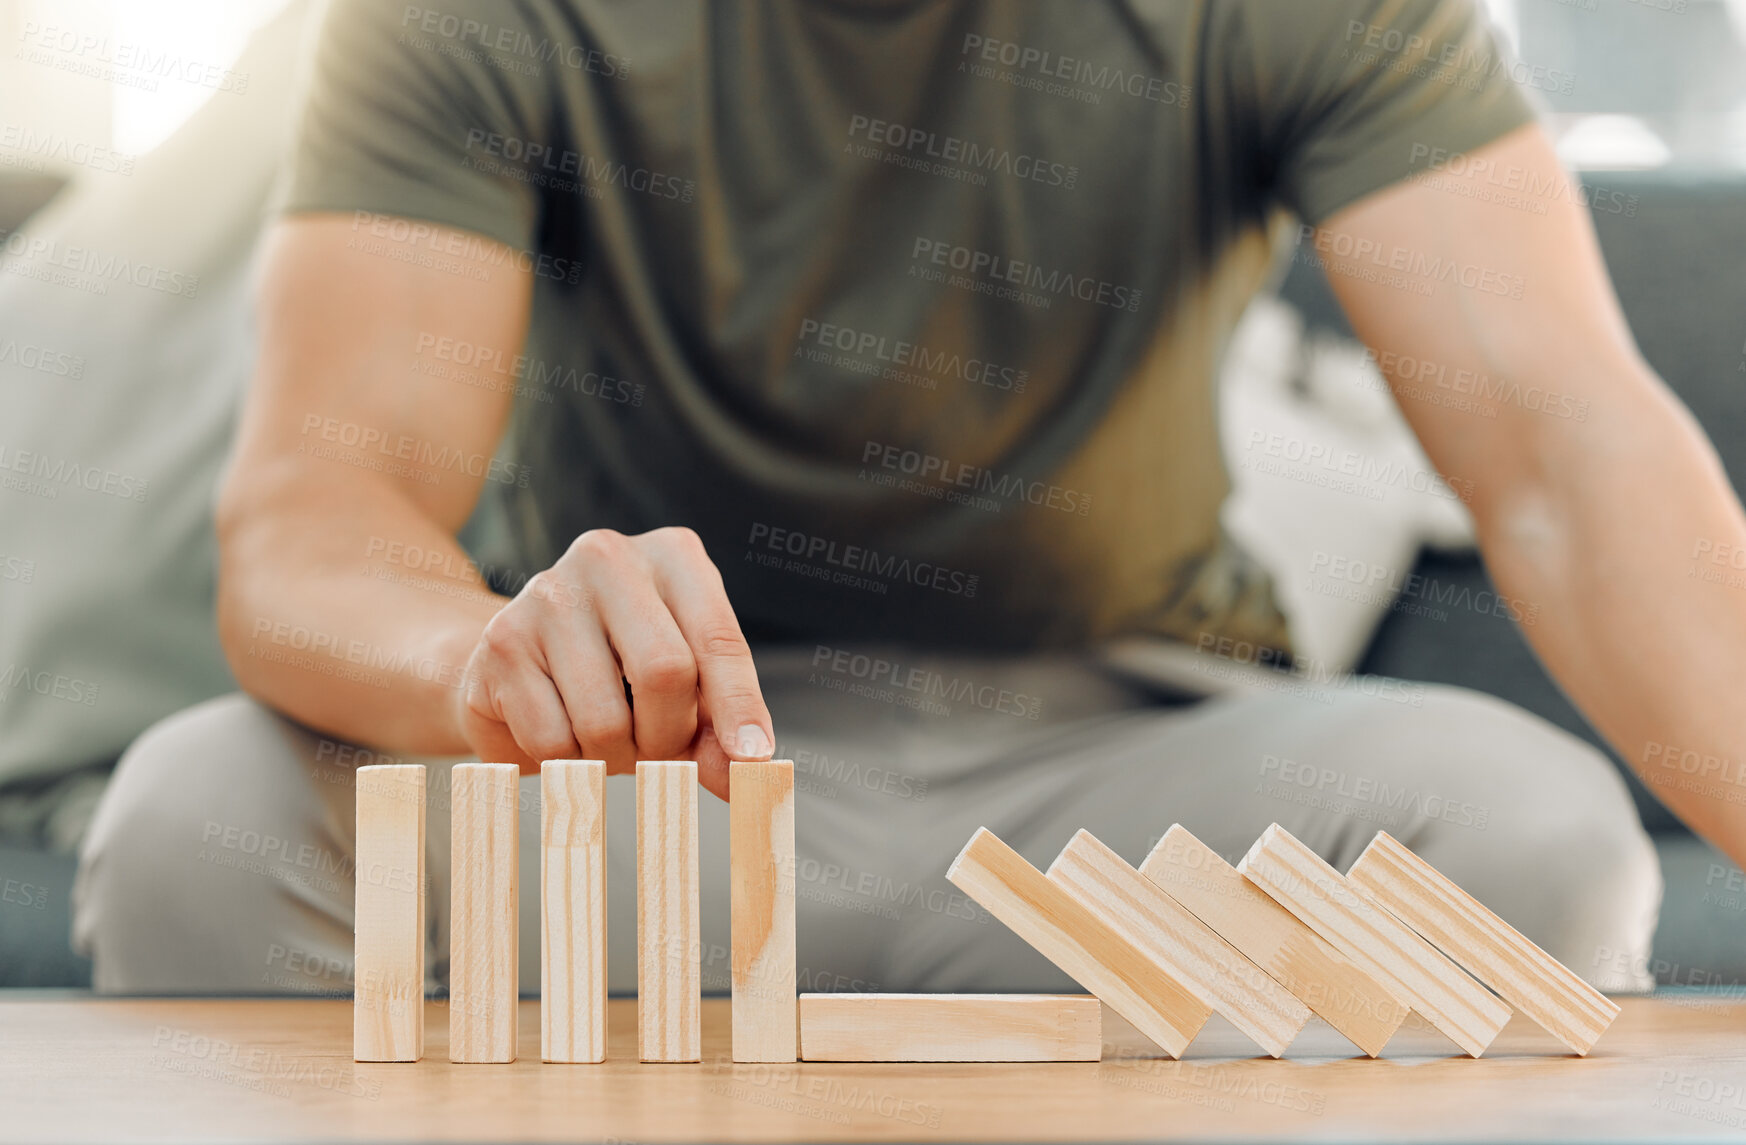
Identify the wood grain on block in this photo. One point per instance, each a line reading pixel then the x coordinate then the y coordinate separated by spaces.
pixel 1088 949
pixel 1408 967
pixel 1329 983
pixel 761 858
pixel 1494 951
pixel 950 1028
pixel 669 938
pixel 1211 968
pixel 483 925
pixel 573 910
pixel 388 953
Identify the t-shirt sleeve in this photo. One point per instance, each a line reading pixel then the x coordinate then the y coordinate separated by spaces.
pixel 404 119
pixel 1345 97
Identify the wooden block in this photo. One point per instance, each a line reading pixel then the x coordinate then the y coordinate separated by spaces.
pixel 1494 951
pixel 950 1028
pixel 1408 967
pixel 573 910
pixel 761 857
pixel 1066 932
pixel 1193 953
pixel 669 938
pixel 1345 996
pixel 388 950
pixel 483 926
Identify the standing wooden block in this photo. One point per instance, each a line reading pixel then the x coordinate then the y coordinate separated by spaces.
pixel 483 925
pixel 950 1028
pixel 1345 996
pixel 1494 951
pixel 573 910
pixel 761 855
pixel 1213 970
pixel 388 951
pixel 1065 931
pixel 669 937
pixel 1408 966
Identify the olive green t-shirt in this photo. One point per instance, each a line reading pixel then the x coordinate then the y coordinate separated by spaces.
pixel 911 308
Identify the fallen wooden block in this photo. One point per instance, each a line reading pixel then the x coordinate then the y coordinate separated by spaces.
pixel 950 1028
pixel 388 922
pixel 1193 953
pixel 669 938
pixel 761 862
pixel 1066 932
pixel 573 910
pixel 484 934
pixel 1298 958
pixel 1408 967
pixel 1494 951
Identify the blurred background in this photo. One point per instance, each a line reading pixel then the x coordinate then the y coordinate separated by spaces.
pixel 152 129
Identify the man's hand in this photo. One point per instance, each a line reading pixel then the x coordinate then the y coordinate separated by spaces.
pixel 626 649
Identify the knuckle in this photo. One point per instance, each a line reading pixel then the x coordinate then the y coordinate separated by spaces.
pixel 607 545
pixel 678 538
pixel 505 636
pixel 673 671
pixel 602 726
pixel 722 640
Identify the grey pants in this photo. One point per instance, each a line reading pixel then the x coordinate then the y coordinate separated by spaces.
pixel 221 857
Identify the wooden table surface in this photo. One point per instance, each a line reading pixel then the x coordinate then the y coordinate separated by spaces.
pixel 83 1069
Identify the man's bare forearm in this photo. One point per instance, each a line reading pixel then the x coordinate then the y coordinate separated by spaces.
pixel 343 606
pixel 1607 549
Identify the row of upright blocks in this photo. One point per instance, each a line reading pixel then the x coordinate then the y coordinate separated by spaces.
pixel 388 1007
pixel 1186 935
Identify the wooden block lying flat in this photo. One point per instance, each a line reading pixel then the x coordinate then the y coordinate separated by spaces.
pixel 950 1028
pixel 1409 967
pixel 761 858
pixel 1191 951
pixel 1494 951
pixel 1298 958
pixel 483 925
pixel 388 951
pixel 573 910
pixel 669 938
pixel 1066 932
